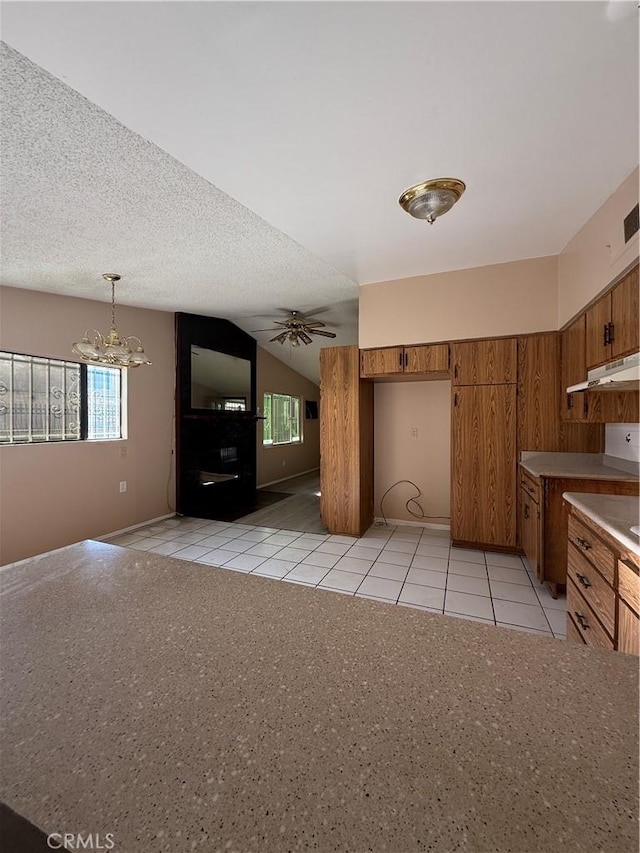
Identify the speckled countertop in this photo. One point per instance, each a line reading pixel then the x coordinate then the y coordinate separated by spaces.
pixel 587 465
pixel 181 707
pixel 614 513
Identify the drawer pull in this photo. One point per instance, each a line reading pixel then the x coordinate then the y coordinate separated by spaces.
pixel 584 580
pixel 526 511
pixel 583 543
pixel 582 620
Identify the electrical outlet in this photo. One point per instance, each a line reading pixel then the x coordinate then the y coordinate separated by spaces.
pixel 123 486
pixel 123 451
pixel 414 432
pixel 284 463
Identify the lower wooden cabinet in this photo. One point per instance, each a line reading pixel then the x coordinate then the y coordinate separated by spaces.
pixel 483 450
pixel 603 591
pixel 530 522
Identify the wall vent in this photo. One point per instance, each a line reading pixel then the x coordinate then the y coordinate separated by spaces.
pixel 631 224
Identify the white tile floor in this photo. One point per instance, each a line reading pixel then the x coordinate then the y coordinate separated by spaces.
pixel 406 565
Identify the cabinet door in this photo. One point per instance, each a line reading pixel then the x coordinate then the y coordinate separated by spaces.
pixel 573 369
pixel 530 530
pixel 488 362
pixel 628 630
pixel 598 318
pixel 426 359
pixel 483 448
pixel 624 316
pixel 380 362
pixel 346 463
pixel 539 392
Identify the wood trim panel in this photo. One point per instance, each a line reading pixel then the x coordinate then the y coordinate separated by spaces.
pixel 608 407
pixel 485 362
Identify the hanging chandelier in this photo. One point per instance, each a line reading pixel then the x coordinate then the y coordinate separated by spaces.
pixel 111 349
pixel 431 199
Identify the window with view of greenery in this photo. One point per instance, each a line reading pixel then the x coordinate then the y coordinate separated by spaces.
pixel 282 419
pixel 45 400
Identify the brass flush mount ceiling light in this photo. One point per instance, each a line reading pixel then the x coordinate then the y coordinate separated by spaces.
pixel 431 199
pixel 111 349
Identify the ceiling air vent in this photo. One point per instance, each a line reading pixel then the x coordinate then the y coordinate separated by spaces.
pixel 631 224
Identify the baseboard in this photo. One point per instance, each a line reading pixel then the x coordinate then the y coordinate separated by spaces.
pixel 290 477
pixel 133 527
pixel 403 521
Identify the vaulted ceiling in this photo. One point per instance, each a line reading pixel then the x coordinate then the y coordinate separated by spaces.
pixel 240 159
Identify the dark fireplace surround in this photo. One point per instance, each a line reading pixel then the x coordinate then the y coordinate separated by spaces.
pixel 215 450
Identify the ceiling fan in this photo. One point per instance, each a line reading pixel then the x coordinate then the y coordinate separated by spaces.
pixel 296 328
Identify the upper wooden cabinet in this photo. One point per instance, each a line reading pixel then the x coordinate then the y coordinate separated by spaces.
pixel 573 369
pixel 538 392
pixel 391 361
pixel 487 362
pixel 612 323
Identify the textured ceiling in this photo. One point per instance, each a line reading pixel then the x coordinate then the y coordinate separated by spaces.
pixel 315 116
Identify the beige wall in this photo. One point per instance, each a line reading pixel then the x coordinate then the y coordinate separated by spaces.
pixel 596 255
pixel 502 299
pixel 401 407
pixel 277 463
pixel 55 494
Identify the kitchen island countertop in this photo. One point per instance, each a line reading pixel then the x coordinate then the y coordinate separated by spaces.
pixel 181 707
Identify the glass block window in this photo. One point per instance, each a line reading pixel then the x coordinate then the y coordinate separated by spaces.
pixel 44 400
pixel 39 399
pixel 104 418
pixel 282 419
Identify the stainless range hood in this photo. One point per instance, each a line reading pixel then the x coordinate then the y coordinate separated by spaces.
pixel 621 375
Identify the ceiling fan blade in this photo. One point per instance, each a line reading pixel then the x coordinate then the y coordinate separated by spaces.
pixel 281 338
pixel 273 329
pixel 314 325
pixel 304 337
pixel 324 334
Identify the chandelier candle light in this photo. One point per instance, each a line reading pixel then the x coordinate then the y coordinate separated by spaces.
pixel 111 349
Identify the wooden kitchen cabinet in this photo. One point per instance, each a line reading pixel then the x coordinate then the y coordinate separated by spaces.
pixel 530 521
pixel 554 519
pixel 483 459
pixel 346 441
pixel 573 359
pixel 493 361
pixel 603 588
pixel 423 359
pixel 612 323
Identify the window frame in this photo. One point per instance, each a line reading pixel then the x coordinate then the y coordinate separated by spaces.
pixel 83 405
pixel 292 443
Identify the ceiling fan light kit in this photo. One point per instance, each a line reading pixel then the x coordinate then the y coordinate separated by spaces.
pixel 432 199
pixel 111 349
pixel 297 328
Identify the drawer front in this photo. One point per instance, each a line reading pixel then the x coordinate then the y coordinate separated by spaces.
pixel 573 634
pixel 629 586
pixel 585 619
pixel 531 487
pixel 593 588
pixel 593 548
pixel 628 631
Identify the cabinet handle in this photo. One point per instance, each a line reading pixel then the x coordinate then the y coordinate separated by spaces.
pixel 455 399
pixel 406 359
pixel 455 371
pixel 526 511
pixel 400 360
pixel 606 334
pixel 583 544
pixel 611 331
pixel 569 401
pixel 584 580
pixel 582 620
